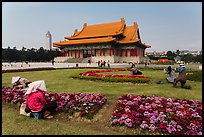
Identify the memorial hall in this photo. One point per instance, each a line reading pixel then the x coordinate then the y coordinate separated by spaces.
pixel 114 42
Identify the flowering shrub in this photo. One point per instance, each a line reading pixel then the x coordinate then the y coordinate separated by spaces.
pixel 28 69
pixel 86 104
pixel 169 116
pixel 97 73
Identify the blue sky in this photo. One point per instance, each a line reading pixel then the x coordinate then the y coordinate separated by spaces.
pixel 163 25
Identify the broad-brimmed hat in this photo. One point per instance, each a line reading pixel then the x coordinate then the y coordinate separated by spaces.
pixel 15 79
pixel 182 65
pixel 35 86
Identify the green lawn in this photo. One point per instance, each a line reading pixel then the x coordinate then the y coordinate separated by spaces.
pixel 59 81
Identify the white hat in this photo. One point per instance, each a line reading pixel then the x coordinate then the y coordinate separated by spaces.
pixel 32 87
pixel 182 65
pixel 15 79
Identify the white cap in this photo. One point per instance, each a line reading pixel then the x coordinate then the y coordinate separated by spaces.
pixel 182 65
pixel 32 87
pixel 15 79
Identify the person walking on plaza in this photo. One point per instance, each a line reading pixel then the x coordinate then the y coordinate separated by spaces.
pixel 181 77
pixel 98 63
pixel 53 62
pixel 101 64
pixel 108 63
pixel 36 101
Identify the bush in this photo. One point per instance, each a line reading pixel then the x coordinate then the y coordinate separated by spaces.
pixel 194 75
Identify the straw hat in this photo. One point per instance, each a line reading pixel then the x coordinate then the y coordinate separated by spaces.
pixel 15 79
pixel 182 65
pixel 34 86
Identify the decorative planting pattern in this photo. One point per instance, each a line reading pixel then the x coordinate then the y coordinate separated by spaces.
pixel 97 73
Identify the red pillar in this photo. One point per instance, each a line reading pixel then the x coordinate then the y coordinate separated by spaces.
pixel 91 52
pixel 121 52
pixel 113 51
pixel 126 52
pixel 135 52
pixel 130 52
pixel 104 52
pixel 71 52
pixel 75 51
pixel 86 52
pixel 82 53
pixel 100 51
pixel 109 51
pixel 78 53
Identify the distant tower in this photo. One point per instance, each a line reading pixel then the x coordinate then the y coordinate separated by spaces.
pixel 48 40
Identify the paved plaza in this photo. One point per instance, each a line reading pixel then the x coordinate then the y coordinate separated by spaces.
pixel 23 65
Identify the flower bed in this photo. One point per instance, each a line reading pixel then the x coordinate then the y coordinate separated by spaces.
pixel 169 116
pixel 97 73
pixel 87 104
pixel 28 69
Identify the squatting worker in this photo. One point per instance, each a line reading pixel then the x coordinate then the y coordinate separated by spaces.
pixel 19 82
pixel 36 101
pixel 181 77
pixel 171 73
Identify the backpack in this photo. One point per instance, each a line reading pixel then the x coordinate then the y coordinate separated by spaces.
pixel 22 110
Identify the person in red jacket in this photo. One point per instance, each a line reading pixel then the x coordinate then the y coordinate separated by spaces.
pixel 36 101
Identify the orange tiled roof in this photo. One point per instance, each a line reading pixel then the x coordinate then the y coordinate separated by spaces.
pixel 84 41
pixel 99 30
pixel 100 33
pixel 130 34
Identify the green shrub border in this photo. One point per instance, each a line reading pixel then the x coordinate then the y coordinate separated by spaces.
pixel 194 75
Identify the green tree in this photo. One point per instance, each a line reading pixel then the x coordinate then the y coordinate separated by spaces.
pixel 177 52
pixel 170 55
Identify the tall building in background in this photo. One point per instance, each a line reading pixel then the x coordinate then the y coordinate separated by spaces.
pixel 48 41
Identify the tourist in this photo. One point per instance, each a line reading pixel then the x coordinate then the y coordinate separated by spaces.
pixel 53 62
pixel 19 82
pixel 145 64
pixel 36 101
pixel 108 63
pixel 171 73
pixel 98 63
pixel 135 71
pixel 182 76
pixel 104 63
pixel 101 63
pixel 133 65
